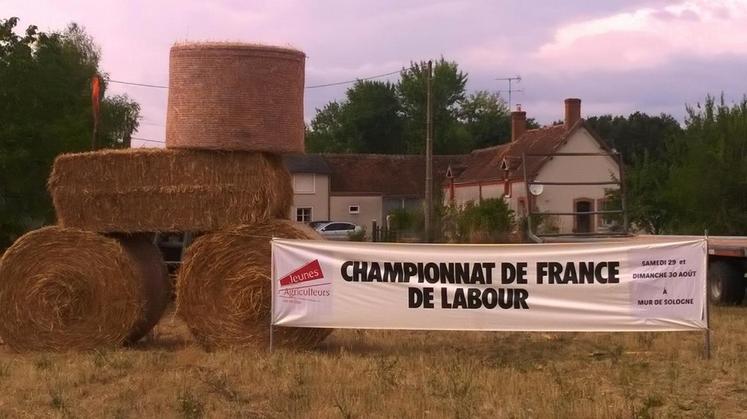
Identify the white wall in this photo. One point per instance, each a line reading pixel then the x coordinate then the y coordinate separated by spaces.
pixel 311 191
pixel 370 208
pixel 492 191
pixel 464 194
pixel 518 192
pixel 575 169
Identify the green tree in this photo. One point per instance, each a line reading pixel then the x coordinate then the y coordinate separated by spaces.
pixel 119 118
pixel 707 181
pixel 642 140
pixel 368 121
pixel 379 117
pixel 486 117
pixel 448 87
pixel 327 133
pixel 636 134
pixel 648 205
pixel 373 115
pixel 45 110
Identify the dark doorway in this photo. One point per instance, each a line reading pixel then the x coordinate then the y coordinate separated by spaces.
pixel 583 221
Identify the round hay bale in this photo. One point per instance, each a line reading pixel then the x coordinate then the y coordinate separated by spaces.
pixel 63 289
pixel 229 96
pixel 155 285
pixel 223 289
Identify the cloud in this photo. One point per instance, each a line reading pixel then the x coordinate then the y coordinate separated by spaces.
pixel 647 37
pixel 666 88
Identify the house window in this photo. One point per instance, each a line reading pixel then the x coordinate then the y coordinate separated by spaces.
pixel 354 209
pixel 303 183
pixel 303 215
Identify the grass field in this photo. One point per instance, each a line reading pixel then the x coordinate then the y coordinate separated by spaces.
pixel 394 374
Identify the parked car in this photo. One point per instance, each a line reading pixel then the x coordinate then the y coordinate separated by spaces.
pixel 336 230
pixel 315 224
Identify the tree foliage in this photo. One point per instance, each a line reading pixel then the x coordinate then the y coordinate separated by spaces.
pixel 707 181
pixel 486 118
pixel 378 117
pixel 642 141
pixel 686 180
pixel 637 134
pixel 327 133
pixel 368 121
pixel 648 205
pixel 374 112
pixel 45 110
pixel 448 88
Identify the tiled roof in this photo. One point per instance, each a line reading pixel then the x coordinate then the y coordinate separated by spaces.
pixel 485 164
pixel 389 175
pixel 482 164
pixel 306 163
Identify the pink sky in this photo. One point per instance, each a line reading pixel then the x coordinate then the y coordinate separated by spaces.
pixel 617 56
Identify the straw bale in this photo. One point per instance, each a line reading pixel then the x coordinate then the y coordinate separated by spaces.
pixel 151 190
pixel 156 287
pixel 223 288
pixel 69 289
pixel 228 96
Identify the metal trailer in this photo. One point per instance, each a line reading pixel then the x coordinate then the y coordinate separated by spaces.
pixel 727 255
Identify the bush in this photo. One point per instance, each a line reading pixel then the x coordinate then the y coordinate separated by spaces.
pixel 489 221
pixel 359 236
pixel 402 219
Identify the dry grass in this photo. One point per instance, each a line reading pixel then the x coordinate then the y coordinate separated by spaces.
pixel 394 374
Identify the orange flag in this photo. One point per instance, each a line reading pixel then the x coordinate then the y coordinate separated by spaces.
pixel 95 97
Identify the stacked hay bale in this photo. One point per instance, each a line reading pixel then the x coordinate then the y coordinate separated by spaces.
pixel 226 96
pixel 96 280
pixel 147 190
pixel 249 99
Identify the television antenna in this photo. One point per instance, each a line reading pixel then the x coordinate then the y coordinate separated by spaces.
pixel 510 80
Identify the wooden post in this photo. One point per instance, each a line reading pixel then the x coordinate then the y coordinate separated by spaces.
pixel 272 298
pixel 95 132
pixel 428 155
pixel 707 337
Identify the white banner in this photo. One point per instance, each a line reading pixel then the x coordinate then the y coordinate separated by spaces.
pixel 613 286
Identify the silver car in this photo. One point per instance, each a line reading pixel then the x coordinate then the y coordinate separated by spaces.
pixel 336 230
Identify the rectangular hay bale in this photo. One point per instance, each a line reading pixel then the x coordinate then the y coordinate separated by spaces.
pixel 150 190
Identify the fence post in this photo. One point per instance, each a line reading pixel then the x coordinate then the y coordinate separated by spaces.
pixel 374 231
pixel 707 337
